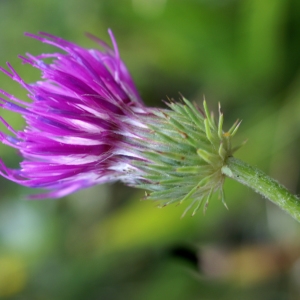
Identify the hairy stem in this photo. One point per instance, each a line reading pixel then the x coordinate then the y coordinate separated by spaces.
pixel 262 184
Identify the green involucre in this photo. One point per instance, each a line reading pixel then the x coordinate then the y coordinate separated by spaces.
pixel 186 152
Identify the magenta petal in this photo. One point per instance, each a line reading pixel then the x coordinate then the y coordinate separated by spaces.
pixel 78 121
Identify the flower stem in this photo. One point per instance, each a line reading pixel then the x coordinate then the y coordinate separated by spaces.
pixel 262 184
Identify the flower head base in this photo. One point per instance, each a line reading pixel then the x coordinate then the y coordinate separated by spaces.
pixel 87 125
pixel 185 161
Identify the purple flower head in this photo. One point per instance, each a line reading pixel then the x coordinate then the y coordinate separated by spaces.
pixel 78 121
pixel 87 125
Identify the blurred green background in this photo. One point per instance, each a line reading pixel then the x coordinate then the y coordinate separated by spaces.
pixel 103 242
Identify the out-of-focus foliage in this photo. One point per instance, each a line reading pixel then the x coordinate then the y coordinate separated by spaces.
pixel 103 243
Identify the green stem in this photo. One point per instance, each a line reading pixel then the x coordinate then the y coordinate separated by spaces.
pixel 262 184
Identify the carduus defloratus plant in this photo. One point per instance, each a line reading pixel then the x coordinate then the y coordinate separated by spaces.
pixel 86 124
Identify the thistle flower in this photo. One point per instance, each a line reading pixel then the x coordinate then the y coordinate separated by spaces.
pixel 87 125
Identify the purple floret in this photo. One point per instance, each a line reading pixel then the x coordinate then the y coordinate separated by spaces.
pixel 78 121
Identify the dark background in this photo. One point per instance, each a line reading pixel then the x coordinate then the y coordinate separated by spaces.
pixel 103 243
